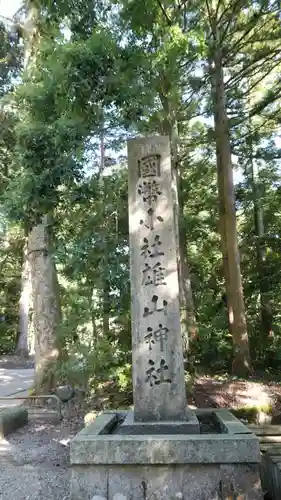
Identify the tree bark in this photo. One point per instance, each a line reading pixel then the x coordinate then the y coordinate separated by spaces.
pixel 231 260
pixel 105 270
pixel 46 305
pixel 22 345
pixel 188 320
pixel 187 310
pixel 266 316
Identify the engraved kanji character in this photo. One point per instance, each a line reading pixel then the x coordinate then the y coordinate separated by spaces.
pixel 147 275
pixel 149 190
pixel 149 338
pixel 149 166
pixel 146 252
pixel 153 275
pixel 158 274
pixel 150 219
pixel 157 376
pixel 161 373
pixel 151 376
pixel 147 311
pixel 161 335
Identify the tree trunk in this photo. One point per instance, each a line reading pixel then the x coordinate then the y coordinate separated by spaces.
pixel 266 316
pixel 46 307
pixel 22 345
pixel 45 292
pixel 188 321
pixel 187 311
pixel 105 270
pixel 235 300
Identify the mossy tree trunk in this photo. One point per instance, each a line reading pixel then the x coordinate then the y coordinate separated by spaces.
pixel 46 305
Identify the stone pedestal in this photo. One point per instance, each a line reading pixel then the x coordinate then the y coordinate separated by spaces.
pixel 109 466
pixel 131 426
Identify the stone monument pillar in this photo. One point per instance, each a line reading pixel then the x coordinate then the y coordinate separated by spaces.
pixel 157 347
pixel 159 451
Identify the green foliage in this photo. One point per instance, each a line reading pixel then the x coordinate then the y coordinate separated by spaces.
pixel 86 367
pixel 123 376
pixel 10 59
pixel 10 275
pixel 60 101
pixel 11 238
pixel 143 66
pixel 251 413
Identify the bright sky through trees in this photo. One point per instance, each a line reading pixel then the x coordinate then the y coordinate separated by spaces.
pixel 9 7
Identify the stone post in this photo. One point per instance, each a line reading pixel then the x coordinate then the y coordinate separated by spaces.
pixel 157 350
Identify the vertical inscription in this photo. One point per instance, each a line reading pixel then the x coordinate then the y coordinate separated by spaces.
pixel 149 189
pixel 157 354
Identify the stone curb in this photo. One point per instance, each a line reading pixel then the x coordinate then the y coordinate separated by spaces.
pixel 11 419
pixel 95 445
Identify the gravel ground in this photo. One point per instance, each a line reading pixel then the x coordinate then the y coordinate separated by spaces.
pixel 34 461
pixel 34 464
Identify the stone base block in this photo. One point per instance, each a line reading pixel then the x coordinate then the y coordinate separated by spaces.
pixel 180 482
pixel 188 426
pixel 107 465
pixel 11 419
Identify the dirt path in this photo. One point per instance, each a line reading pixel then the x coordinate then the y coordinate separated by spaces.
pixel 16 378
pixel 226 392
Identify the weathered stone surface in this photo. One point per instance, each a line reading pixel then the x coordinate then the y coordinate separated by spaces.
pixel 11 419
pixel 158 371
pixel 186 482
pixel 271 475
pixel 93 445
pixel 65 392
pixel 165 449
pixel 188 426
pixel 231 424
pixel 103 424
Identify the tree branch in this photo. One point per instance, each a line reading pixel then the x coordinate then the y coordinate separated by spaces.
pixel 253 67
pixel 4 19
pixel 164 13
pixel 211 20
pixel 217 10
pixel 234 7
pixel 252 24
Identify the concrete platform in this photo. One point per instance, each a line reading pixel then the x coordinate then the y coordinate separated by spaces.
pixel 111 466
